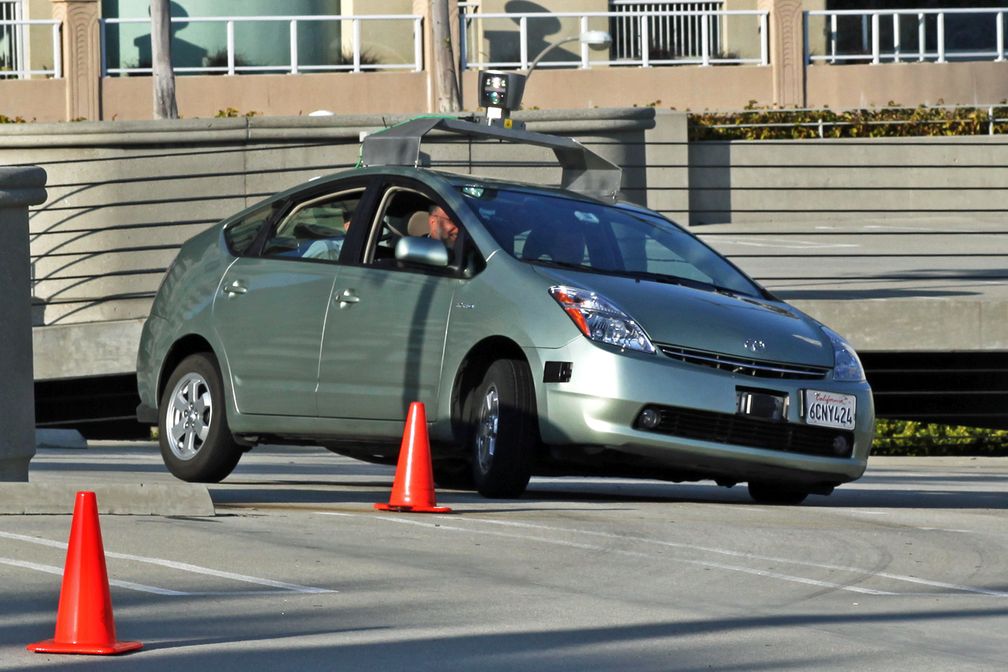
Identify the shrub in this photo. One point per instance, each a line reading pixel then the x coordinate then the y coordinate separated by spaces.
pixel 907 437
pixel 893 121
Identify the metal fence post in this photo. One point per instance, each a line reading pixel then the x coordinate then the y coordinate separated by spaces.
pixel 19 188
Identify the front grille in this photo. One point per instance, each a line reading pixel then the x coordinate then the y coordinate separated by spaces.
pixel 740 430
pixel 742 366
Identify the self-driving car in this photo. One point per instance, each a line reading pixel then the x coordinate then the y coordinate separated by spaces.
pixel 547 330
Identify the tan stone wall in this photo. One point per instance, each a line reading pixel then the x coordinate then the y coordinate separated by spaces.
pixel 203 96
pixel 34 99
pixel 682 88
pixel 911 84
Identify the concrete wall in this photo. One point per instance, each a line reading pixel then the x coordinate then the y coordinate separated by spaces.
pixel 19 188
pixel 963 178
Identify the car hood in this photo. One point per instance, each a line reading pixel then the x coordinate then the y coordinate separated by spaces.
pixel 709 320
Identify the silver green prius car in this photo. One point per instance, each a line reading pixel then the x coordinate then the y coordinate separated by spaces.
pixel 546 331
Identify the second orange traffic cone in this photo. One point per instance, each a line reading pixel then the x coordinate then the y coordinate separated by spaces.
pixel 84 621
pixel 413 487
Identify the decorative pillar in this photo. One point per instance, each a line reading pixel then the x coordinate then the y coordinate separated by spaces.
pixel 81 57
pixel 787 51
pixel 19 188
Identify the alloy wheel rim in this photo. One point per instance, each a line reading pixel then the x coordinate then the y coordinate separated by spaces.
pixel 486 430
pixel 189 416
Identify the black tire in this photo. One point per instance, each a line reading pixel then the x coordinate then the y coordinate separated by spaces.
pixel 196 442
pixel 505 430
pixel 775 493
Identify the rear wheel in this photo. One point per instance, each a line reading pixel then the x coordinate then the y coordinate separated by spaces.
pixel 775 493
pixel 196 442
pixel 505 429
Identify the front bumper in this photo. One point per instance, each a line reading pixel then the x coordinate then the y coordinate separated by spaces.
pixel 607 390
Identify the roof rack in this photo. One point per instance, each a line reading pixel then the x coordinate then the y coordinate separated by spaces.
pixel 584 171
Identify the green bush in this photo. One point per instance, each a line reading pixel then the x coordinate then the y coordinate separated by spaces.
pixel 906 437
pixel 893 121
pixel 11 120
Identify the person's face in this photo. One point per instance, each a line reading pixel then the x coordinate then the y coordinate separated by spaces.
pixel 442 227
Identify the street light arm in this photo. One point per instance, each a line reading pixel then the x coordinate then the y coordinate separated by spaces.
pixel 535 61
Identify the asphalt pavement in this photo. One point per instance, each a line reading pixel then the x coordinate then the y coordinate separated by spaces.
pixel 905 569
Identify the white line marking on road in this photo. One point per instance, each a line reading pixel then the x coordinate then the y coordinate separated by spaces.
pixel 787 244
pixel 183 566
pixel 863 512
pixel 764 558
pixel 50 569
pixel 607 549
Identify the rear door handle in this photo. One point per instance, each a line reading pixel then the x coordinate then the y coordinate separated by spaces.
pixel 235 287
pixel 347 296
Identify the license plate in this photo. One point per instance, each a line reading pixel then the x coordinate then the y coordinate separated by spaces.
pixel 830 409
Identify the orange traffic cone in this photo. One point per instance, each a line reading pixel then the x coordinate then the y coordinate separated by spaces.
pixel 84 620
pixel 413 487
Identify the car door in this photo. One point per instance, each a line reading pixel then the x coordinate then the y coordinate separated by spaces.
pixel 271 306
pixel 385 332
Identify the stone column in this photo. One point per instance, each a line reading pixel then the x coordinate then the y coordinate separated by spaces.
pixel 787 51
pixel 19 188
pixel 81 57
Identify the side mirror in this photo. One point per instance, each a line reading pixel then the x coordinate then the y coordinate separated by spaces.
pixel 421 251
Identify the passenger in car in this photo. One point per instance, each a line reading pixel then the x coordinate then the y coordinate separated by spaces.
pixel 328 248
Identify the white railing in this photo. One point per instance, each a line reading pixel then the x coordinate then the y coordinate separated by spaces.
pixel 15 59
pixel 677 34
pixel 876 36
pixel 294 65
pixel 705 52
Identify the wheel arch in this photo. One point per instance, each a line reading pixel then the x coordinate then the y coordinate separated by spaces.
pixel 182 348
pixel 470 373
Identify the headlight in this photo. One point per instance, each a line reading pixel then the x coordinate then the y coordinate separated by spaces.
pixel 600 320
pixel 846 364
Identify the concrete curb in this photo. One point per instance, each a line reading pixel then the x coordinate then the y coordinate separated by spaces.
pixel 143 499
pixel 60 438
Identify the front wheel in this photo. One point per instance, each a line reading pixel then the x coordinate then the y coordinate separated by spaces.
pixel 775 493
pixel 505 429
pixel 196 442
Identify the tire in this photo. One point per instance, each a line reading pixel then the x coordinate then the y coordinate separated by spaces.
pixel 775 493
pixel 196 442
pixel 504 429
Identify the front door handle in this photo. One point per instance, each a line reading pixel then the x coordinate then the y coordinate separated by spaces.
pixel 235 287
pixel 347 296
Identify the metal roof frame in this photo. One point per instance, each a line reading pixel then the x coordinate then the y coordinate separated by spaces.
pixel 584 171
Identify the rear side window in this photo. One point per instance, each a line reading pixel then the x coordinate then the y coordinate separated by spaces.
pixel 241 234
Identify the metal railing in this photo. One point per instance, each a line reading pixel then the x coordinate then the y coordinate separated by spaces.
pixel 877 36
pixel 705 48
pixel 356 63
pixel 15 57
pixel 677 34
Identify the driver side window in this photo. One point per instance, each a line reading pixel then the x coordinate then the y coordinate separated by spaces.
pixel 403 213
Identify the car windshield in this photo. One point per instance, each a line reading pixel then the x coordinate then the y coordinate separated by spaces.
pixel 565 232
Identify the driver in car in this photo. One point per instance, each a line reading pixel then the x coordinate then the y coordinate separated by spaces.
pixel 441 226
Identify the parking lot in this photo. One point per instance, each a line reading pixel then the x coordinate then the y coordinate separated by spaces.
pixel 905 569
